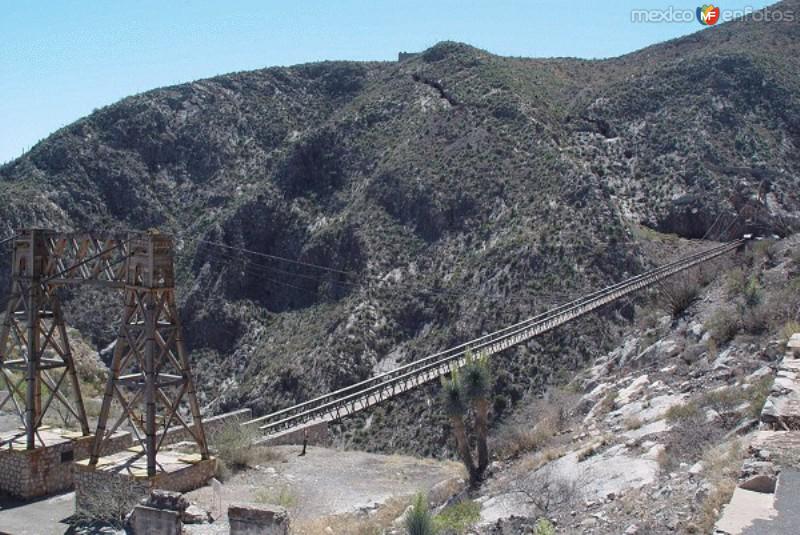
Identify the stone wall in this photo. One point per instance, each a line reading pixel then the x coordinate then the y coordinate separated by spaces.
pixel 210 426
pixel 48 469
pixel 91 483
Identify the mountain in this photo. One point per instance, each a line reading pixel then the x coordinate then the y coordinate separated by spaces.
pixel 448 194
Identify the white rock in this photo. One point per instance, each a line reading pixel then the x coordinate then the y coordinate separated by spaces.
pixel 632 391
pixel 655 452
pixel 696 329
pixel 696 469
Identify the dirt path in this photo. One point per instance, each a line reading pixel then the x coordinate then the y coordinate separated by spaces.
pixel 328 482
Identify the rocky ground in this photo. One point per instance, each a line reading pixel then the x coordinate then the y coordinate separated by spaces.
pixel 329 488
pixel 658 428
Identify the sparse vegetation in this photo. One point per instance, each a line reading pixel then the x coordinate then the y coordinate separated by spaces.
pixel 419 520
pixel 723 325
pixel 283 496
pixel 544 527
pixel 457 518
pixel 632 422
pixel 608 403
pixel 111 503
pixel 235 448
pixel 679 294
pixel 758 394
pixel 722 465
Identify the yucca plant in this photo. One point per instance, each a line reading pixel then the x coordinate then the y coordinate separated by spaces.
pixel 476 380
pixel 419 520
pixel 455 405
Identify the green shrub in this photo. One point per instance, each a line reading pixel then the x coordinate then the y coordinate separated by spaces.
pixel 735 282
pixel 723 325
pixel 418 520
pixel 544 527
pixel 457 518
pixel 758 395
pixel 725 402
pixel 756 319
pixel 752 292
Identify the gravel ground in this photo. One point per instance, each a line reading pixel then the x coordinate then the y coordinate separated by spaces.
pixel 328 482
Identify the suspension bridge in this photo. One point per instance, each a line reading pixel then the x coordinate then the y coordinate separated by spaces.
pixel 150 367
pixel 378 388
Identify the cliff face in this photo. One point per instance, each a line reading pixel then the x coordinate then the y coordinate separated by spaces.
pixel 458 190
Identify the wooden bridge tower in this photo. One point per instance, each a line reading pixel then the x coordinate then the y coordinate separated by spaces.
pixel 150 377
pixel 150 360
pixel 34 347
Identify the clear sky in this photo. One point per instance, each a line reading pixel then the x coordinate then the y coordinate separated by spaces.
pixel 60 59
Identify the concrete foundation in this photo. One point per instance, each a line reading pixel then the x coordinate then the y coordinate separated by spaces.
pixel 250 519
pixel 150 520
pixel 127 470
pixel 46 469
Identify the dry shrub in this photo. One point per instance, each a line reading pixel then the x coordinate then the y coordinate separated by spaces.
pixel 679 293
pixel 354 524
pixel 722 465
pixel 735 282
pixel 513 440
pixel 784 305
pixel 723 325
pixel 535 461
pixel 236 449
pixel 756 318
pixel 535 425
pixel 548 490
pixel 632 422
pixel 726 402
pixel 689 437
pixel 111 503
pixel 609 402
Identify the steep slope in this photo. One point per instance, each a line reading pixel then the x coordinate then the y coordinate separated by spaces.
pixel 449 194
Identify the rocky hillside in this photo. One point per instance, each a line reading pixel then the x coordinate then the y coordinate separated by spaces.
pixel 449 194
pixel 651 438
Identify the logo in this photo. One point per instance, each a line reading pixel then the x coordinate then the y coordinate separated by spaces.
pixel 707 15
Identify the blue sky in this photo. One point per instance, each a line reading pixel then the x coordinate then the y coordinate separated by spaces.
pixel 60 59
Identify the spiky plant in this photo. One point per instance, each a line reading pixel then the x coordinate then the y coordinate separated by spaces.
pixel 476 380
pixel 455 405
pixel 418 520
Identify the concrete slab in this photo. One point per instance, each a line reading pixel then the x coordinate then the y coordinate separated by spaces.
pixel 787 515
pixel 744 509
pixel 41 517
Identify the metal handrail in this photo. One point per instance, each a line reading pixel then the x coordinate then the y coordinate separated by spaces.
pixel 490 343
